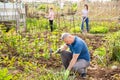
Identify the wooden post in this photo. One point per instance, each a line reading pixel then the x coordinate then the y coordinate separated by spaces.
pixel 26 9
pixel 17 23
pixel 24 24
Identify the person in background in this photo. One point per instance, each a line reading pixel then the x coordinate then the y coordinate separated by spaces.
pixel 78 58
pixel 51 18
pixel 85 18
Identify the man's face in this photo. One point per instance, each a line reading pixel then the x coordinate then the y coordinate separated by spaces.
pixel 68 40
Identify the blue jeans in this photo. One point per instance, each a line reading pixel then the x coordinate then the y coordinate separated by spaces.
pixel 87 24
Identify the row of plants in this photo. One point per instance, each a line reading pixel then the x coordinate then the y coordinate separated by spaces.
pixel 28 45
pixel 20 54
pixel 110 50
pixel 42 24
pixel 38 25
pixel 99 29
pixel 104 27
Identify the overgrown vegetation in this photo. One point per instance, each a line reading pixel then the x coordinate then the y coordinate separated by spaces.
pixel 113 46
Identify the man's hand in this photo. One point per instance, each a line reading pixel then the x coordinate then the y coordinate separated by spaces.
pixel 58 50
pixel 62 48
pixel 66 74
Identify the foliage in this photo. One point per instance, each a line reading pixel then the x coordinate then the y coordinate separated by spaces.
pixel 2 28
pixel 66 74
pixel 75 29
pixel 100 55
pixel 22 51
pixel 99 29
pixel 74 7
pixel 112 26
pixel 113 46
pixel 42 7
pixel 39 24
pixel 51 75
pixel 21 46
pixel 4 75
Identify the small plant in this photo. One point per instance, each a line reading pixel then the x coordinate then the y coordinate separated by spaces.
pixel 4 75
pixel 100 55
pixel 46 55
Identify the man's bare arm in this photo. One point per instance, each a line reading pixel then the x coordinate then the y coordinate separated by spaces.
pixel 73 61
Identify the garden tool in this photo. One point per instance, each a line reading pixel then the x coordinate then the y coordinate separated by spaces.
pixel 83 19
pixel 50 51
pixel 58 51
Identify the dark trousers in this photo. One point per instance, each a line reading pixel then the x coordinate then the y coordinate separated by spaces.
pixel 80 66
pixel 87 24
pixel 51 25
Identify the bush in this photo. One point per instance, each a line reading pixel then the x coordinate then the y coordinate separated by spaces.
pixel 99 29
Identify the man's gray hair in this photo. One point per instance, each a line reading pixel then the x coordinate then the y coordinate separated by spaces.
pixel 64 35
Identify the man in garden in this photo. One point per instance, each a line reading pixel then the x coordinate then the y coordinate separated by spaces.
pixel 79 58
